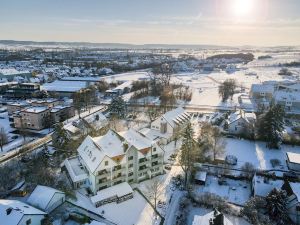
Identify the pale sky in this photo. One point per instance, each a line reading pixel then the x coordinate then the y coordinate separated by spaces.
pixel 217 22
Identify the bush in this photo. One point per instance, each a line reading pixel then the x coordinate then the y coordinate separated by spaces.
pixel 275 162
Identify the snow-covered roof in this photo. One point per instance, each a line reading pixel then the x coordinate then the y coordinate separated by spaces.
pixel 138 140
pixel 201 175
pixel 177 116
pixel 293 157
pixel 12 71
pixel 93 150
pixel 154 135
pixel 75 169
pixel 41 196
pixel 36 109
pixel 296 189
pixel 242 114
pixel 111 144
pixel 205 219
pixel 263 185
pixel 19 209
pixel 92 79
pixel 71 128
pixel 64 86
pixel 118 190
pixel 97 120
pixel 266 88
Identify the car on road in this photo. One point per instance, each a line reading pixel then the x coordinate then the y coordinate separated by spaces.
pixel 231 160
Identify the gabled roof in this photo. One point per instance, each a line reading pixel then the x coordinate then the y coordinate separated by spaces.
pixel 138 140
pixel 178 115
pixel 93 150
pixel 248 117
pixel 41 196
pixel 17 211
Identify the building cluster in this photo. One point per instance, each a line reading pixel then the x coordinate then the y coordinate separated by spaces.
pixel 38 114
pixel 286 94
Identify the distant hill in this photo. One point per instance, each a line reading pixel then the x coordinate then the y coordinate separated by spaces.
pixel 246 57
pixel 110 45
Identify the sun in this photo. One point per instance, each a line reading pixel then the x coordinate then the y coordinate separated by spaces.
pixel 243 7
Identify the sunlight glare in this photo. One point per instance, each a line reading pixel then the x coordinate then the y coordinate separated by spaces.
pixel 243 7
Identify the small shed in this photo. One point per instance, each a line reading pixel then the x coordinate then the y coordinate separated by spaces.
pixel 200 177
pixel 293 161
pixel 117 193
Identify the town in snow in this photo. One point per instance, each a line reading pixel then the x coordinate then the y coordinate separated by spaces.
pixel 168 136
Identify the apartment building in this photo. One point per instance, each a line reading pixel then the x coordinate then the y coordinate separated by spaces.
pixel 171 123
pixel 114 158
pixel 34 118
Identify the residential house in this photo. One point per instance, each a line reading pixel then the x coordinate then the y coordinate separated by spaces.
pixel 293 204
pixel 60 113
pixel 171 123
pixel 262 91
pixel 114 158
pixel 13 212
pixel 22 90
pixel 16 106
pixel 289 100
pixel 46 198
pixel 241 122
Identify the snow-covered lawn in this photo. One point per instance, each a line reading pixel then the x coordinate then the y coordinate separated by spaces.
pixel 257 153
pixel 133 211
pixel 193 211
pixel 235 191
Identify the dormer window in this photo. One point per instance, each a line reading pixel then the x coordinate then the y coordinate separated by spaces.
pixel 106 163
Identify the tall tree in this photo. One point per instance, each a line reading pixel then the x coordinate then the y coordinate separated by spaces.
pixel 212 140
pixel 60 137
pixel 270 126
pixel 78 101
pixel 3 138
pixel 187 153
pixel 117 107
pixel 277 206
pixel 155 190
pixel 227 88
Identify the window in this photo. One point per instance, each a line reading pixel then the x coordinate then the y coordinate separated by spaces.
pixel 106 163
pixel 154 149
pixel 130 174
pixel 130 158
pixel 130 165
pixel 28 222
pixel 142 160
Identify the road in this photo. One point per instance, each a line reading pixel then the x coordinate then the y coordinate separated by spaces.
pixel 29 147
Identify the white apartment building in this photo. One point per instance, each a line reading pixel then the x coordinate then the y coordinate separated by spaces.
pixel 114 158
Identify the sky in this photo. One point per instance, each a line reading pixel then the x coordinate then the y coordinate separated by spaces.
pixel 215 22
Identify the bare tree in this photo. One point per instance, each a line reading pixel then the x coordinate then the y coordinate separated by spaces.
pixel 3 138
pixel 152 113
pixel 155 190
pixel 211 139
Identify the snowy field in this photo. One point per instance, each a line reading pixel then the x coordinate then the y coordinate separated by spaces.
pixel 257 153
pixel 234 191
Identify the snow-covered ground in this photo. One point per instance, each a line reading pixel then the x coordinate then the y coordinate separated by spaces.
pixel 234 191
pixel 257 153
pixel 193 211
pixel 133 211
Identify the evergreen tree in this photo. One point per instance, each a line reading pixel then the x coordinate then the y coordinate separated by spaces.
pixel 277 206
pixel 117 107
pixel 60 137
pixel 270 126
pixel 187 154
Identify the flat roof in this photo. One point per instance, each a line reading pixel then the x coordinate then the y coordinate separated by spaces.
pixel 118 190
pixel 293 157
